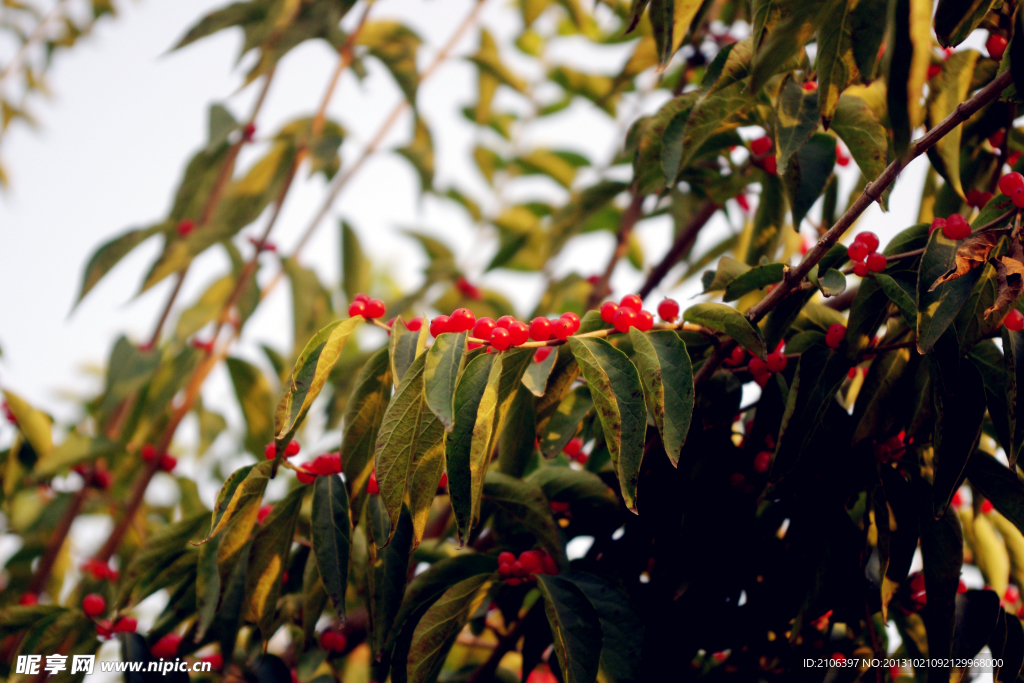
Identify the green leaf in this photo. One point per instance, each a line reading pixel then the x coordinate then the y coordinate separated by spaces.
pixel 796 119
pixel 331 530
pixel 312 368
pixel 519 435
pixel 667 376
pixel 955 19
pixel 833 283
pixel 35 425
pixel 769 221
pixel 563 423
pixel 999 484
pixel 244 500
pixel 848 39
pixel 525 503
pixel 808 172
pixel 786 39
pixel 859 128
pixel 396 46
pixel 937 309
pixel 404 346
pixel 536 376
pixel 903 299
pixel 268 560
pixel 437 630
pixel 489 61
pixel 410 437
pixel 757 277
pixel 670 20
pixel 364 412
pixel 257 402
pixel 311 302
pixel 959 413
pixel 619 400
pixel 446 360
pixel 713 113
pixel 390 569
pixel 942 550
pixel 420 153
pixel 727 320
pixel 209 306
pixel 945 92
pixel 355 266
pixel 884 395
pixel 1013 363
pixel 910 56
pixel 622 631
pixel 109 254
pixel 575 626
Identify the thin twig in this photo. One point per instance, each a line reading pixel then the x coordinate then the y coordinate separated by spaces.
pixel 56 540
pixel 630 216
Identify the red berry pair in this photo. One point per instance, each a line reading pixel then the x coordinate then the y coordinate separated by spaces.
pixel 369 308
pixel 516 571
pixel 864 253
pixel 954 227
pixel 763 369
pixel 292 449
pixel 835 335
pixel 99 570
pixel 167 462
pixel 322 465
pixel 978 199
pixel 413 325
pixel 574 450
pixel 1014 320
pixel 1012 185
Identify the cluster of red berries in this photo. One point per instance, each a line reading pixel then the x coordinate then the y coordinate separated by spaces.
pixel 864 254
pixel 1012 185
pixel 977 198
pixel 167 462
pixel 835 335
pixel 762 370
pixel 94 605
pixel 369 308
pixel 292 449
pixel 99 570
pixel 759 148
pixel 97 477
pixel 9 414
pixel 1014 320
pixel 629 312
pixel 891 450
pixel 506 331
pixel 574 450
pixel 953 227
pixel 322 465
pixel 332 641
pixel 516 571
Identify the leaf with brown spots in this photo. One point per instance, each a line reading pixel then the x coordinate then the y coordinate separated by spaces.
pixel 973 253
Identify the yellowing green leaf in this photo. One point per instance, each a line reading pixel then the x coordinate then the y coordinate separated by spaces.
pixel 946 91
pixel 437 630
pixel 396 46
pixel 34 424
pixel 446 359
pixel 268 560
pixel 727 320
pixel 667 377
pixel 575 627
pixel 257 402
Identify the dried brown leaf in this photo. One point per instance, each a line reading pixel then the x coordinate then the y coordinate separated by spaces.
pixel 973 253
pixel 1010 282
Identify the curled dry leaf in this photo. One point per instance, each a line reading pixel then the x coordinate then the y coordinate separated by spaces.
pixel 972 254
pixel 1009 279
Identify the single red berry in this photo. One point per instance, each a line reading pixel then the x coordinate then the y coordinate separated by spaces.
pixel 810 86
pixel 305 476
pixel 531 562
pixel 371 486
pixel 506 320
pixel 1014 320
pixel 559 507
pixel 574 446
pixel 1018 198
pixel 757 366
pixel 876 262
pixel 572 318
pixel 842 158
pixel 540 329
pixel 462 320
pixel 168 462
pixel 937 224
pixel 519 332
pixel 1011 183
pixel 333 641
pixel 93 604
pixel 934 70
pixel 625 318
pixel 736 357
pixel 762 461
pixel 442 485
pixel 104 628
pixel 185 227
pixel 98 569
pixel 270 452
pixel 835 335
pixel 776 361
pixel 957 500
pixel 996 140
pixel 249 132
pixel 996 45
pixel 469 290
pixel 883 453
pixel 414 325
pixel 986 507
pixel 760 145
pixel 505 570
pixel 262 513
pixel 375 309
pixel 668 310
pixel 549 565
pixel 542 354
pixel 869 240
pixel 956 228
pixel 292 449
pixel 356 308
pixel 744 203
pixel 101 479
pixel 632 301
pixel 28 599
pixel 518 570
pixel 961 588
pixel 166 647
pixel 126 625
pixel 1012 594
pixel 562 328
pixel 860 269
pixel 500 339
pixel 608 310
pixel 858 251
pixel 361 297
pixel 1013 159
pixel 439 325
pixel 483 328
pixel 771 165
pixel 216 661
pixel 644 321
pixel 148 452
pixel 506 558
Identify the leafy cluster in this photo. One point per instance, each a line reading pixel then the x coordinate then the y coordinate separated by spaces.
pixel 601 504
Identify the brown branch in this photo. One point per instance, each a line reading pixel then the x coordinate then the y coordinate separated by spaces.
pixel 630 216
pixel 871 193
pixel 56 541
pixel 504 646
pixel 683 242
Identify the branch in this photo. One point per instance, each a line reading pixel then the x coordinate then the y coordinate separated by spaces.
pixel 33 37
pixel 684 241
pixel 504 646
pixel 630 216
pixel 871 193
pixel 56 541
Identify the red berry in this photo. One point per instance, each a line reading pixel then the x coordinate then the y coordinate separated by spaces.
pixel 291 449
pixel 540 329
pixel 559 507
pixel 262 513
pixel 986 507
pixel 469 290
pixel 625 318
pixel 500 339
pixel 148 452
pixel 573 448
pixel 736 357
pixel 371 486
pixel 166 647
pixel 216 661
pixel 572 318
pixel 958 500
pixel 858 251
pixel 126 625
pixel 101 479
pixel 835 335
pixel 531 562
pixel 562 328
pixel 876 262
pixel 1012 594
pixel 506 320
pixel 513 582
pixel 462 320
pixel 414 325
pixel 771 165
pixel 860 269
pixel 542 354
pixel 757 366
pixel 439 325
pixel 776 361
pixel 978 199
pixel 996 140
pixel 760 145
pixel 104 628
pixel 1013 159
pixel 325 464
pixel 549 564
pixel 668 310
pixel 333 642
pixel 741 199
pixel 168 463
pixel 842 158
pixel 1011 183
pixel 94 604
pixel 883 453
pixel 762 461
pixel 934 70
pixel 356 308
pixel 956 228
pixel 506 558
pixel 98 569
pixel 519 332
pixel 608 310
pixel 185 227
pixel 442 485
pixel 632 301
pixel 305 476
pixel 869 240
pixel 249 132
pixel 505 570
pixel 270 452
pixel 644 321
pixel 996 45
pixel 810 86
pixel 375 309
pixel 1014 320
pixel 937 224
pixel 483 328
pixel 1018 198
pixel 28 599
pixel 518 570
pixel 361 297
